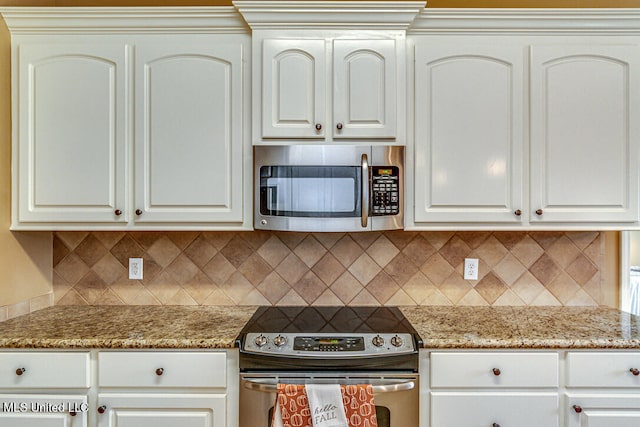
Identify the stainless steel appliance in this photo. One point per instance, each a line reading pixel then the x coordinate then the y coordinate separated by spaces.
pixel 337 345
pixel 328 187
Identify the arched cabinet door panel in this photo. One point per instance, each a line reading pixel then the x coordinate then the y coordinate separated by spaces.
pixel 293 88
pixel 584 133
pixel 468 132
pixel 70 133
pixel 188 128
pixel 364 89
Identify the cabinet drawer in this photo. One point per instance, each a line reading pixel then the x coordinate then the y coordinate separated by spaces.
pixel 610 369
pixel 162 369
pixel 44 370
pixel 485 409
pixel 494 370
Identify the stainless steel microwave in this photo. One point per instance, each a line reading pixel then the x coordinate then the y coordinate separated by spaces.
pixel 329 188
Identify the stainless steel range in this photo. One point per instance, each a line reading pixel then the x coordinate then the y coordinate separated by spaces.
pixel 344 345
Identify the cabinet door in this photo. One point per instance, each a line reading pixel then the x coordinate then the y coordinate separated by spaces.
pixel 468 133
pixel 293 88
pixel 71 133
pixel 166 410
pixel 189 135
pixel 486 409
pixel 364 89
pixel 605 410
pixel 585 101
pixel 19 410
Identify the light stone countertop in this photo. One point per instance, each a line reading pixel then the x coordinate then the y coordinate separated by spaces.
pixel 524 327
pixel 185 327
pixel 190 327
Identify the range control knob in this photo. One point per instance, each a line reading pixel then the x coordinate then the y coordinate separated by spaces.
pixel 378 341
pixel 261 340
pixel 396 341
pixel 280 340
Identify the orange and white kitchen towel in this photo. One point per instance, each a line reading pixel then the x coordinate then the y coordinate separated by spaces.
pixel 293 409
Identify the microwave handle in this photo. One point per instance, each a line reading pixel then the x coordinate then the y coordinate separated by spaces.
pixel 364 218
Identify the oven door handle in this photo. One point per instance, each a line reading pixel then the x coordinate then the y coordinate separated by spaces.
pixel 384 388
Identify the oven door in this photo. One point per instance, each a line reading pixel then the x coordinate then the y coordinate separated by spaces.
pixel 396 395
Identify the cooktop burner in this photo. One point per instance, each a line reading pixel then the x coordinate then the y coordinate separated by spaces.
pixel 329 319
pixel 336 337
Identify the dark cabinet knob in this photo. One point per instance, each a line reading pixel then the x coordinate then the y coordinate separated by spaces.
pixel 101 409
pixel 118 212
pixel 159 371
pixel 496 371
pixel 634 371
pixel 72 413
pixel 495 425
pixel 339 126
pixel 318 127
pixel 577 408
pixel 518 212
pixel 20 371
pixel 539 212
pixel 138 212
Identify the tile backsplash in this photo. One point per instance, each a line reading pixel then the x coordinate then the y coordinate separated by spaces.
pixel 277 268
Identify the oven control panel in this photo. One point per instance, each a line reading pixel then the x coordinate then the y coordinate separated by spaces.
pixel 328 345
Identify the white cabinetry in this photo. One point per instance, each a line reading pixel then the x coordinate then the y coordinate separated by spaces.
pixel 329 72
pixel 296 88
pixel 517 127
pixel 44 389
pixel 603 389
pixel 119 131
pixel 188 129
pixel 584 135
pixel 479 389
pixel 469 132
pixel 162 388
pixel 69 131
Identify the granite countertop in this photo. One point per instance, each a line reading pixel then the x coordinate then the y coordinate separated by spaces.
pixel 525 327
pixel 189 327
pixel 68 327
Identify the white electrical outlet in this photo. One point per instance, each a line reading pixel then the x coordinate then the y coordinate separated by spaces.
pixel 471 269
pixel 135 268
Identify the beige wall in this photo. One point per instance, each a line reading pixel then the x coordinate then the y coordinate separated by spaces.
pixel 25 258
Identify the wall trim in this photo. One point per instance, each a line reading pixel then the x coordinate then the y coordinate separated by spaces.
pixel 535 21
pixel 269 14
pixel 140 20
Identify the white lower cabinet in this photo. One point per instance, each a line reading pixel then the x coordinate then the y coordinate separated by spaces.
pixel 166 410
pixel 490 409
pixel 603 389
pixel 44 389
pixel 490 389
pixel 162 389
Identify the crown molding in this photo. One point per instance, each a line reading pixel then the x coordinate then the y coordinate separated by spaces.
pixel 103 20
pixel 388 15
pixel 538 21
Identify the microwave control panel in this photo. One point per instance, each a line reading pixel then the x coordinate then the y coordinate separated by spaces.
pixel 385 198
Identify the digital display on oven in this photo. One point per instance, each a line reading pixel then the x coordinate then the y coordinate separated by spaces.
pixel 328 344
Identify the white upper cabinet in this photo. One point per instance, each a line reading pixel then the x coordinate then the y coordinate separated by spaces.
pixel 329 72
pixel 188 151
pixel 119 127
pixel 585 100
pixel 364 89
pixel 296 86
pixel 293 88
pixel 468 132
pixel 69 132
